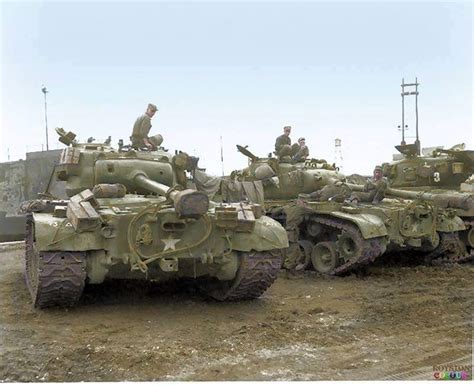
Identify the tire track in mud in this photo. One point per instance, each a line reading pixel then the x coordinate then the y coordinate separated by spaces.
pixel 390 325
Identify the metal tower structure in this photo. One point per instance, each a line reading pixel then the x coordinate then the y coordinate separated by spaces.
pixel 338 153
pixel 404 94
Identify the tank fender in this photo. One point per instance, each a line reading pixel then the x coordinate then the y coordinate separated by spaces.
pixel 449 224
pixel 267 234
pixel 53 233
pixel 369 225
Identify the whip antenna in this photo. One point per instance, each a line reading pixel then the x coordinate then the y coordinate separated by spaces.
pixel 222 158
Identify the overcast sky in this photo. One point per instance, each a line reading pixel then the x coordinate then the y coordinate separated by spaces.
pixel 240 70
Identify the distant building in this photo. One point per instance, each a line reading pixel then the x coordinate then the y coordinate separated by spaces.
pixel 20 181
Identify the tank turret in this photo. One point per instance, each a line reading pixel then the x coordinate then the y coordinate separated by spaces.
pixel 439 169
pixel 285 179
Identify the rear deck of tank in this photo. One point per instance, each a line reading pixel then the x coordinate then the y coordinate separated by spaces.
pixel 392 322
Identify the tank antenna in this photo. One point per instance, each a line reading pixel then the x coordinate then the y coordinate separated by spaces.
pixel 43 89
pixel 222 157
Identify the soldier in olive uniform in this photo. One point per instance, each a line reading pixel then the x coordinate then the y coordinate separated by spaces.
pixel 334 191
pixel 142 127
pixel 374 189
pixel 302 151
pixel 283 140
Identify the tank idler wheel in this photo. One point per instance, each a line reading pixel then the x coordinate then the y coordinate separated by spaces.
pixel 257 272
pixel 469 237
pixel 348 247
pixel 325 257
pixel 306 247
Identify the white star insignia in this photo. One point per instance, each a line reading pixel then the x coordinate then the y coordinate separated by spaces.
pixel 170 243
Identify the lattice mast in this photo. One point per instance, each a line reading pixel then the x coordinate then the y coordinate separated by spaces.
pixel 338 153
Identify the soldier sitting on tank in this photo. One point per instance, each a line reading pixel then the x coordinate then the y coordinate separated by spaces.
pixel 302 151
pixel 141 129
pixel 337 192
pixel 283 148
pixel 283 140
pixel 374 189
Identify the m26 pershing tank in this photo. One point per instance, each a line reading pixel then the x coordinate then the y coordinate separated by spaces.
pixel 335 236
pixel 441 177
pixel 338 236
pixel 456 246
pixel 127 218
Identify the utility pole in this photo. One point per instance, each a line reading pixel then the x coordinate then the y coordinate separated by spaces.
pixel 46 115
pixel 338 153
pixel 404 94
pixel 222 157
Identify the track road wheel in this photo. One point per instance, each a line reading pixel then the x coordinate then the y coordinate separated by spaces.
pixel 54 278
pixel 324 257
pixel 349 247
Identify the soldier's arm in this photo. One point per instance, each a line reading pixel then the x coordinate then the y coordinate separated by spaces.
pixel 382 186
pixel 369 185
pixel 145 127
pixel 277 144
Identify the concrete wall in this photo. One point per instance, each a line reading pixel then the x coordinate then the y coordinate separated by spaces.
pixel 12 185
pixel 21 181
pixel 39 166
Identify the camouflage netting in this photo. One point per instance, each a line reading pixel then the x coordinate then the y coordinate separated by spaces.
pixel 231 190
pixel 206 183
pixel 235 191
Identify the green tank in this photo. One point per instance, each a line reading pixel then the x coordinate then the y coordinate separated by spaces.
pixel 441 169
pixel 284 179
pixel 443 177
pixel 331 234
pixel 440 176
pixel 130 216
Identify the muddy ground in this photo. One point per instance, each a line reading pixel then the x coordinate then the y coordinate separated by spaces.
pixel 389 323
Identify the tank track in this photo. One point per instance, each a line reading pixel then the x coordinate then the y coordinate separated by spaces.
pixel 470 225
pixel 449 251
pixel 257 272
pixel 56 278
pixel 370 248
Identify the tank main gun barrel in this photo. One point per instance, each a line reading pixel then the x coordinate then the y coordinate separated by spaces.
pixel 246 152
pixel 188 203
pixel 153 186
pixel 455 200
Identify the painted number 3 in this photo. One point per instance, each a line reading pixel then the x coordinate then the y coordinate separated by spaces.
pixel 436 177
